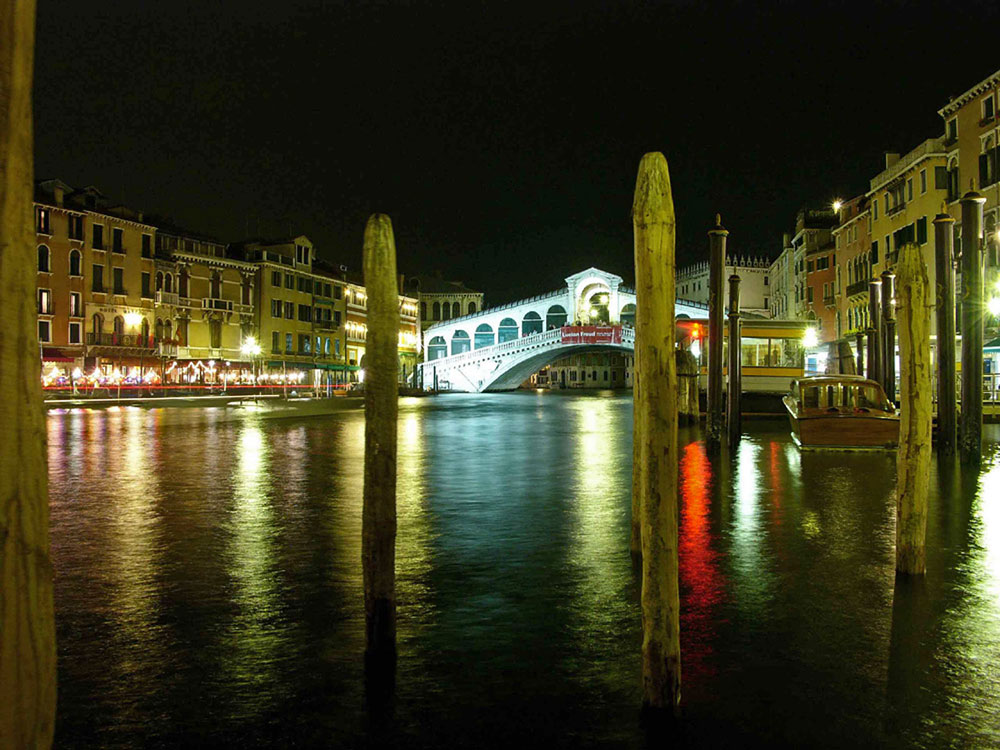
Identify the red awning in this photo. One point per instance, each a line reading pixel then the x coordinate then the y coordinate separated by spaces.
pixel 56 355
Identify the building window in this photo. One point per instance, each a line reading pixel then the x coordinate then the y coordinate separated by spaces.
pixel 45 301
pixel 75 333
pixel 336 318
pixel 215 333
pixel 922 230
pixel 42 220
pixel 117 238
pixel 74 263
pixel 290 310
pixel 276 308
pixel 146 291
pixel 75 308
pixel 44 257
pixel 275 341
pixel 44 331
pixel 875 209
pixel 275 278
pixel 119 280
pixel 97 278
pixel 288 343
pixel 953 129
pixel 989 107
pixel 909 189
pixel 289 281
pixel 76 227
pixel 305 313
pixel 923 181
pixel 338 291
pixel 97 237
pixel 147 246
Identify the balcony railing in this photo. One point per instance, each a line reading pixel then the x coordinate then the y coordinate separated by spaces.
pixel 829 300
pixel 166 298
pixel 241 308
pixel 213 303
pixel 858 287
pixel 133 340
pixel 896 209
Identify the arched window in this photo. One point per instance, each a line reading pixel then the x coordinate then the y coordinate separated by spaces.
pixel 168 283
pixel 628 315
pixel 145 331
pixel 507 330
pixel 182 285
pixel 75 265
pixel 456 310
pixel 168 329
pixel 119 325
pixel 472 308
pixel 159 281
pixel 484 336
pixel 460 342
pixel 97 325
pixel 215 333
pixel 446 311
pixel 215 285
pixel 158 329
pixel 531 323
pixel 555 317
pixel 436 311
pixel 437 348
pixel 423 311
pixel 43 258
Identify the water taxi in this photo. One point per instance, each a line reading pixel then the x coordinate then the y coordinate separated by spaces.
pixel 841 411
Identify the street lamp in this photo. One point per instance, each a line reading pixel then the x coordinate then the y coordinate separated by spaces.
pixel 251 348
pixel 810 338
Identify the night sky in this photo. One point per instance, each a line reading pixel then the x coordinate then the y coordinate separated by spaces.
pixel 502 138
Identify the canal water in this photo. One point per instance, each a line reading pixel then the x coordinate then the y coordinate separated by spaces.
pixel 208 585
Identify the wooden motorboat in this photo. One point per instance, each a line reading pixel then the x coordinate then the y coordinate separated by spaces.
pixel 841 411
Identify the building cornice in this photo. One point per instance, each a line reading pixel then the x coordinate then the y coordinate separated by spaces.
pixel 926 150
pixel 960 101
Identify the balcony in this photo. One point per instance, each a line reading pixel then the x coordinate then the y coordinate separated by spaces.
pixel 829 300
pixel 121 340
pixel 188 302
pixel 895 209
pixel 858 288
pixel 214 303
pixel 242 309
pixel 166 298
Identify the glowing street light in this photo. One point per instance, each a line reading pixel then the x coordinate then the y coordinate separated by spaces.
pixel 994 307
pixel 133 319
pixel 837 204
pixel 250 347
pixel 810 338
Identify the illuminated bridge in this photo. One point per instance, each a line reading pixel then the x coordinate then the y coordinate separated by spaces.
pixel 498 348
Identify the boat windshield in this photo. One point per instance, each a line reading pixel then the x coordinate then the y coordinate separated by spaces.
pixel 845 396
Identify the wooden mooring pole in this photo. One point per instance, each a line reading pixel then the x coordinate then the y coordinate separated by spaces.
pixel 913 460
pixel 734 417
pixel 716 300
pixel 971 426
pixel 859 339
pixel 638 443
pixel 944 263
pixel 889 334
pixel 874 321
pixel 378 523
pixel 654 228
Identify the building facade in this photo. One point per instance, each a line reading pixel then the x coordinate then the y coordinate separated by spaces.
pixel 755 284
pixel 852 243
pixel 439 299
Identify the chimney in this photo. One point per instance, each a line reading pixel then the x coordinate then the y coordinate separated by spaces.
pixel 890 158
pixel 786 240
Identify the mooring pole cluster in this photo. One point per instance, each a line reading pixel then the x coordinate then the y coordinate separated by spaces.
pixel 971 428
pixel 734 421
pixel 716 300
pixel 944 265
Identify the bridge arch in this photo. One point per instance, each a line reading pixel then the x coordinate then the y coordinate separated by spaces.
pixel 531 323
pixel 484 336
pixel 555 317
pixel 627 315
pixel 507 331
pixel 437 348
pixel 460 342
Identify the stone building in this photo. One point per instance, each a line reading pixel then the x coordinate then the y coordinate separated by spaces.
pixel 814 268
pixel 442 300
pixel 755 289
pixel 852 244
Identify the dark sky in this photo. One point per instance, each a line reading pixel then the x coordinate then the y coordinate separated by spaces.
pixel 502 138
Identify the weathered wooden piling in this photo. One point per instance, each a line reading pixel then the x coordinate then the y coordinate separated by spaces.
pixel 654 228
pixel 734 417
pixel 874 321
pixel 971 427
pixel 687 387
pixel 378 524
pixel 889 334
pixel 716 300
pixel 859 341
pixel 913 460
pixel 638 443
pixel 944 263
pixel 27 627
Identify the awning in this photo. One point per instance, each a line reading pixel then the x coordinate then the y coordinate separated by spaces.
pixel 56 355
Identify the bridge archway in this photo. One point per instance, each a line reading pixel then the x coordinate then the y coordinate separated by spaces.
pixel 507 331
pixel 628 315
pixel 531 323
pixel 556 317
pixel 460 342
pixel 484 336
pixel 437 348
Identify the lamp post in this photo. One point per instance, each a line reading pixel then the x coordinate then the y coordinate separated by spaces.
pixel 251 349
pixel 132 321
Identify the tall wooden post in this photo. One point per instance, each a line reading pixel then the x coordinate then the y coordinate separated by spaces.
pixel 913 461
pixel 27 628
pixel 874 321
pixel 944 263
pixel 716 299
pixel 859 339
pixel 971 428
pixel 378 533
pixel 654 228
pixel 889 334
pixel 734 420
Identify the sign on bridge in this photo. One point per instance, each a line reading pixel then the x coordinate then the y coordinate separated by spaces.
pixel 591 334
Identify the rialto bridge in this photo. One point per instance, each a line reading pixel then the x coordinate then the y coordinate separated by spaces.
pixel 498 348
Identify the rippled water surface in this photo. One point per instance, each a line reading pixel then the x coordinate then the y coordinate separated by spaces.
pixel 208 585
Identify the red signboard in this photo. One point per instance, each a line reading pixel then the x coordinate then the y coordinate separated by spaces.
pixel 592 334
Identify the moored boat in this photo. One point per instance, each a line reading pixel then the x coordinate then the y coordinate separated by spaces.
pixel 841 411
